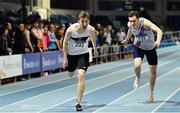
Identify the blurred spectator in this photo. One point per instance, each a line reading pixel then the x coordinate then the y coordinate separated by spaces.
pixel 109 35
pixel 20 40
pixel 60 35
pixel 46 38
pixel 4 49
pixel 116 23
pixel 11 33
pixel 98 27
pixel 35 36
pixel 41 31
pixel 53 44
pixel 120 36
pixel 101 37
pixel 28 45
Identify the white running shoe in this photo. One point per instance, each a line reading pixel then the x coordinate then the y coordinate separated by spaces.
pixel 136 83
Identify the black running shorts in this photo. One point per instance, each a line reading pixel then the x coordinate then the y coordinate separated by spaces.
pixel 78 61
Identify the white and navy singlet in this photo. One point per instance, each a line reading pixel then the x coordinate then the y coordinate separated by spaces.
pixel 78 43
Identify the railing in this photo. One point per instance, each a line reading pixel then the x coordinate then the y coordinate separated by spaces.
pixel 117 52
pixel 17 65
pixel 112 53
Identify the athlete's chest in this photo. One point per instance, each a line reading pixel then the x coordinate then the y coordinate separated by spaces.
pixel 138 32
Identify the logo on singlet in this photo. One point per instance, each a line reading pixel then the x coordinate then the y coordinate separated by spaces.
pixel 141 35
pixel 79 42
pixel 138 43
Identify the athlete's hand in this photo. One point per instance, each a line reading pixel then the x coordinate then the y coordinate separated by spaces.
pixel 124 42
pixel 65 63
pixel 157 44
pixel 95 53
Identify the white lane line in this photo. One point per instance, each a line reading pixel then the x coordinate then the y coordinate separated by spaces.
pixel 67 87
pixel 95 70
pixel 74 85
pixel 165 100
pixel 124 63
pixel 133 91
pixel 63 88
pixel 98 89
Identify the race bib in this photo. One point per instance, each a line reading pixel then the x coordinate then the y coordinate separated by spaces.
pixel 79 43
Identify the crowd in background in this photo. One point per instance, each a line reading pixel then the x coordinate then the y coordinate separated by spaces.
pixel 42 36
pixel 36 35
pixel 30 37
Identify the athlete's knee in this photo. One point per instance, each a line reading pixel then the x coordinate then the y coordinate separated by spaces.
pixel 137 63
pixel 81 74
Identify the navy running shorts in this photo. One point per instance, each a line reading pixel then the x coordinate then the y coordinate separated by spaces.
pixel 151 55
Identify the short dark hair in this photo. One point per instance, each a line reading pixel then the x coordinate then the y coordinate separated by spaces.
pixel 83 14
pixel 133 13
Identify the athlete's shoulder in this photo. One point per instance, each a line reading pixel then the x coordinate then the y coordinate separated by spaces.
pixel 72 27
pixel 91 28
pixel 141 18
pixel 145 20
pixel 147 23
pixel 75 25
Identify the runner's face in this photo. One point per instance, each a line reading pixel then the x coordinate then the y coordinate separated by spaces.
pixel 84 22
pixel 134 21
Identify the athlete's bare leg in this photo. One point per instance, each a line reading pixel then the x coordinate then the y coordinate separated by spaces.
pixel 153 69
pixel 137 69
pixel 81 85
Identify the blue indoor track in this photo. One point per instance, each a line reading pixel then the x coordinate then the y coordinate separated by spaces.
pixel 109 89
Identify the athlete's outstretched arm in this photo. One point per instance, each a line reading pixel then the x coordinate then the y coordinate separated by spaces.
pixel 156 29
pixel 128 36
pixel 93 40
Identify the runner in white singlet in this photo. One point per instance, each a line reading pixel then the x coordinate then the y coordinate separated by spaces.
pixel 76 54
